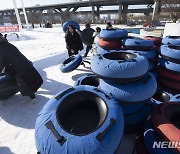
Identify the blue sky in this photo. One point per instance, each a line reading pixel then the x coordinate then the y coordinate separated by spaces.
pixel 8 4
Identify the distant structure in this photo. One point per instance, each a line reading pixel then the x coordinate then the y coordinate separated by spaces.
pixel 72 10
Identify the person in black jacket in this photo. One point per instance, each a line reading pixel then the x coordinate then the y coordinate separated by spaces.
pixel 16 64
pixel 87 37
pixel 73 41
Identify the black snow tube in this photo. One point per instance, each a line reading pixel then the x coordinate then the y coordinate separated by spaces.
pixel 71 63
pixel 8 87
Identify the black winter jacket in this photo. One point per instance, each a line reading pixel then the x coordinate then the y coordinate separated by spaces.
pixel 87 36
pixel 26 75
pixel 73 42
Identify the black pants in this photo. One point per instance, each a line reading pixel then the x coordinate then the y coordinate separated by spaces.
pixel 88 48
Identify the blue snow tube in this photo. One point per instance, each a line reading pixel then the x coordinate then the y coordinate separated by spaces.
pixel 138 116
pixel 131 108
pixel 113 34
pixel 171 40
pixel 71 63
pixel 131 93
pixel 80 120
pixel 70 22
pixel 169 65
pixel 133 43
pixel 171 53
pixel 121 67
pixel 89 79
pixel 8 86
pixel 150 138
pixel 150 55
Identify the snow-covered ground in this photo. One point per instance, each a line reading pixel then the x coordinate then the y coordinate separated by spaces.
pixel 46 48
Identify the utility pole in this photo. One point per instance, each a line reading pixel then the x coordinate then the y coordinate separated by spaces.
pixel 25 16
pixel 17 16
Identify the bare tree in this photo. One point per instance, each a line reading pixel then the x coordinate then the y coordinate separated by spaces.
pixel 171 7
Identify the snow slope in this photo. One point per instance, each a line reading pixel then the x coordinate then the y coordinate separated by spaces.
pixel 46 49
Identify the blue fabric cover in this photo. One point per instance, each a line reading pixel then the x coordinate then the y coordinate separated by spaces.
pixel 70 22
pixel 169 65
pixel 131 108
pixel 170 52
pixel 131 92
pixel 171 40
pixel 175 98
pixel 113 34
pixel 118 69
pixel 137 44
pixel 150 137
pixel 46 143
pixel 72 65
pixel 137 117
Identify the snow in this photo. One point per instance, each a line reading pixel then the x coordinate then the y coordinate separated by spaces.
pixel 46 48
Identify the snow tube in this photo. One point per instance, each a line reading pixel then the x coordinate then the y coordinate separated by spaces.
pixel 109 44
pixel 131 108
pixel 169 65
pixel 133 43
pixel 132 93
pixel 100 50
pixel 171 40
pixel 156 40
pixel 139 144
pixel 8 86
pixel 80 120
pixel 150 138
pixel 165 73
pixel 169 83
pixel 170 53
pixel 121 67
pixel 166 121
pixel 113 34
pixel 71 63
pixel 89 79
pixel 137 117
pixel 70 22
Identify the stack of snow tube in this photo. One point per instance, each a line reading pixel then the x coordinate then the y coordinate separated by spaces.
pixel 125 76
pixel 143 47
pixel 169 64
pixel 8 86
pixel 111 39
pixel 164 126
pixel 70 22
pixel 79 120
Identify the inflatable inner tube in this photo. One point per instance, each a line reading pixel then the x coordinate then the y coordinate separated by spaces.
pixel 171 40
pixel 170 53
pixel 166 120
pixel 70 22
pixel 121 67
pixel 137 44
pixel 109 44
pixel 157 40
pixel 83 119
pixel 8 87
pixel 113 34
pixel 71 63
pixel 89 79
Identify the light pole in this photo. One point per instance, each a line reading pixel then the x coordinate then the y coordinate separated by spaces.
pixel 25 16
pixel 17 16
